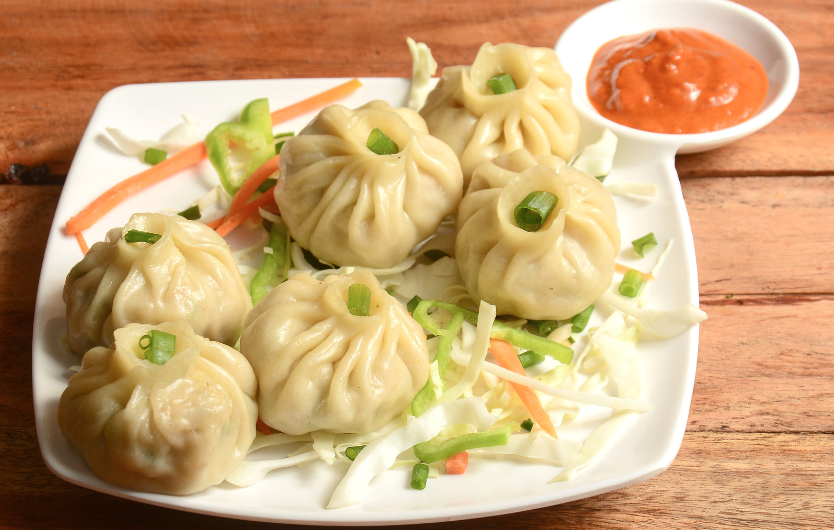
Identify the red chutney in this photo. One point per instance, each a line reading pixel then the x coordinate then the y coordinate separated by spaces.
pixel 676 81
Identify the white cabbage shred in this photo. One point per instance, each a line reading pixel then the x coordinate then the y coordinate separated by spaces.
pixel 424 66
pixel 597 159
pixel 177 139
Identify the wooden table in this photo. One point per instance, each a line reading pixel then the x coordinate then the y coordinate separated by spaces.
pixel 759 449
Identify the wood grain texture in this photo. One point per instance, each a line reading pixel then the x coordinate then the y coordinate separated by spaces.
pixel 59 58
pixel 760 235
pixel 759 446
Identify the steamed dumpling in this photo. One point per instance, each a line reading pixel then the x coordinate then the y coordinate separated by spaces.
pixel 553 273
pixel 175 428
pixel 464 112
pixel 350 206
pixel 322 368
pixel 189 273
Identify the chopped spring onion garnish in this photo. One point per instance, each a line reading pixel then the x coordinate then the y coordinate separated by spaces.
pixel 644 243
pixel 267 185
pixel 419 476
pixel 500 331
pixel 534 210
pixel 159 346
pixel 155 156
pixel 429 453
pixel 359 300
pixel 426 395
pixel 353 452
pixel 527 424
pixel 412 304
pixel 530 358
pixel 276 264
pixel 192 214
pixel 502 83
pixel 280 143
pixel 381 144
pixel 632 283
pixel 137 236
pixel 580 320
pixel 544 327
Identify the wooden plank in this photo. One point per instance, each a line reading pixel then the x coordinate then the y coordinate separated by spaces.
pixel 718 480
pixel 760 235
pixel 53 79
pixel 765 364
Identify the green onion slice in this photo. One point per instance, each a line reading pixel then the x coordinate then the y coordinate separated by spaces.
pixel 280 143
pixel 353 452
pixel 413 303
pixel 137 236
pixel 159 346
pixel 544 327
pixel 580 320
pixel 429 453
pixel 381 144
pixel 501 331
pixel 533 211
pixel 530 358
pixel 359 300
pixel 632 283
pixel 644 243
pixel 527 424
pixel 502 83
pixel 155 156
pixel 192 214
pixel 419 476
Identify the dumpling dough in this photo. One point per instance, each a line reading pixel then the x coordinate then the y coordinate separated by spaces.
pixel 189 273
pixel 321 368
pixel 551 274
pixel 350 206
pixel 177 428
pixel 479 125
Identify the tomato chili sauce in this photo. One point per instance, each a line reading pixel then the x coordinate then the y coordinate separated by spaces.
pixel 676 81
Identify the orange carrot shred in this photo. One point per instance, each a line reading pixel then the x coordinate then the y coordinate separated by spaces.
pixel 456 464
pixel 315 102
pixel 186 158
pixel 251 208
pixel 506 356
pixel 82 242
pixel 252 183
pixel 214 225
pixel 625 268
pixel 124 189
pixel 263 427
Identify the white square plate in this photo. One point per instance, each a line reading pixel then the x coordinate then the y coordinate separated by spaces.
pixel 642 449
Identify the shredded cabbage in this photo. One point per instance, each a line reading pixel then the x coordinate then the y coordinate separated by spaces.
pixel 177 139
pixel 250 473
pixel 540 446
pixel 664 323
pixel 431 282
pixel 598 158
pixel 381 454
pixel 424 66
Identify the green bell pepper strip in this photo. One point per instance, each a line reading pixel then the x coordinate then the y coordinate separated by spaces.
pixel 426 396
pixel 429 454
pixel 275 266
pixel 253 132
pixel 500 331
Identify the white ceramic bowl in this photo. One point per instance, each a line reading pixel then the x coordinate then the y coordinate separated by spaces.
pixel 741 26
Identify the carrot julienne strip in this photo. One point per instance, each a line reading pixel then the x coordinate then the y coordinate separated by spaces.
pixel 232 221
pixel 506 356
pixel 314 102
pixel 82 242
pixel 124 189
pixel 263 427
pixel 625 268
pixel 251 185
pixel 186 158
